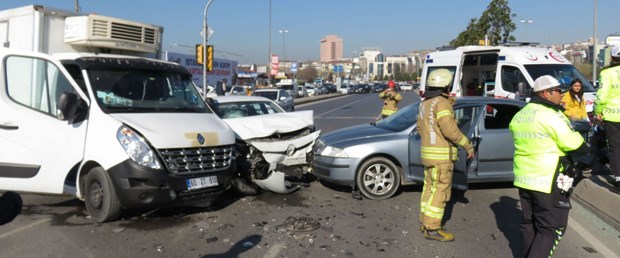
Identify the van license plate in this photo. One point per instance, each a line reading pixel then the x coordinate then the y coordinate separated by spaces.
pixel 201 182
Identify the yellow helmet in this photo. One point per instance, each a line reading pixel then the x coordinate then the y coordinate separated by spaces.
pixel 439 78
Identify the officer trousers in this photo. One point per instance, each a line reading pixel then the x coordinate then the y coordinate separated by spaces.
pixel 612 131
pixel 435 194
pixel 545 217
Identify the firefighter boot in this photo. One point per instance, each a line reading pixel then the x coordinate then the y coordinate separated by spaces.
pixel 439 235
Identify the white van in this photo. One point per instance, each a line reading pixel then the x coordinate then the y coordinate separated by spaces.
pixel 499 71
pixel 117 131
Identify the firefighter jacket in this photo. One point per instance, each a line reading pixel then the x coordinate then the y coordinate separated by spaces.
pixel 390 101
pixel 608 94
pixel 542 135
pixel 439 132
pixel 575 109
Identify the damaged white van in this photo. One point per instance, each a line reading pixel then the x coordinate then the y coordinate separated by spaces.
pixel 499 71
pixel 117 131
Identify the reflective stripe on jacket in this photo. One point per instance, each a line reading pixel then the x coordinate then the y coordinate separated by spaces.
pixel 390 101
pixel 608 94
pixel 439 132
pixel 541 136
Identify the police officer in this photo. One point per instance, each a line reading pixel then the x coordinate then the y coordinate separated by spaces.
pixel 607 109
pixel 542 136
pixel 390 99
pixel 440 134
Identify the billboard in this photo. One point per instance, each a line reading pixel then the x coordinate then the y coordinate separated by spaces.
pixel 222 68
pixel 275 64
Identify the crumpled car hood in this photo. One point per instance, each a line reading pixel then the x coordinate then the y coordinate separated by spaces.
pixel 266 125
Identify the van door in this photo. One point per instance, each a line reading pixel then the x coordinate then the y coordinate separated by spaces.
pixel 37 149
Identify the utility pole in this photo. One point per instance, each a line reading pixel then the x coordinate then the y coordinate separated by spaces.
pixel 204 50
pixel 594 55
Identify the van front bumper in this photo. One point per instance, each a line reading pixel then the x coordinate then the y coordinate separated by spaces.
pixel 141 187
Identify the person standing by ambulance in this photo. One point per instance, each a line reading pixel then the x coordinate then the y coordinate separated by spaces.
pixel 390 99
pixel 607 110
pixel 440 135
pixel 542 137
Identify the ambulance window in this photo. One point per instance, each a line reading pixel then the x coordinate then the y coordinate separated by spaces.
pixel 511 77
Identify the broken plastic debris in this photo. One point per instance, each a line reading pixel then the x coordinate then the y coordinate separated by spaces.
pixel 301 224
pixel 248 244
pixel 159 248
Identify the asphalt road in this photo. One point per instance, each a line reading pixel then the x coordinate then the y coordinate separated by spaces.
pixel 317 221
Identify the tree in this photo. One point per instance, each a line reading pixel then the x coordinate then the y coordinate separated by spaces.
pixel 308 74
pixel 495 22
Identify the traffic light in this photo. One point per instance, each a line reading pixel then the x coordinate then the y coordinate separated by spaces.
pixel 199 54
pixel 209 57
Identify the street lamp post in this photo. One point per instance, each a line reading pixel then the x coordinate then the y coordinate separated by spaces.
pixel 204 50
pixel 526 21
pixel 268 68
pixel 283 43
pixel 594 55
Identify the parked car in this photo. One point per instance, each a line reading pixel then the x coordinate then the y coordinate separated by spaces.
pixel 273 148
pixel 331 88
pixel 406 87
pixel 379 158
pixel 345 89
pixel 237 90
pixel 280 96
pixel 379 88
pixel 311 90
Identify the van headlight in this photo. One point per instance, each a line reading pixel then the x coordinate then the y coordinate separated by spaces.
pixel 137 149
pixel 330 151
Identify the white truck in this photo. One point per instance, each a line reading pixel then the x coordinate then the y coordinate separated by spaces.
pixel 85 112
pixel 499 71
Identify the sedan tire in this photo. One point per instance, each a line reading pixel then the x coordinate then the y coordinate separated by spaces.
pixel 378 178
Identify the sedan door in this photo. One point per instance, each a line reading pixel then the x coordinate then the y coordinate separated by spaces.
pixel 466 117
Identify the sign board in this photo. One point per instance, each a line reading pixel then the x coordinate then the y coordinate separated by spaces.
pixel 275 65
pixel 338 68
pixel 222 68
pixel 209 32
pixel 293 67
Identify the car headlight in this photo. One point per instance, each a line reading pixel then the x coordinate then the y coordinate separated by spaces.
pixel 330 151
pixel 137 149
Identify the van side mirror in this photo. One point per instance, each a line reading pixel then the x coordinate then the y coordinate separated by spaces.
pixel 522 89
pixel 67 106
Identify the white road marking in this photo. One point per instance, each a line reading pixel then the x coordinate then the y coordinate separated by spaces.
pixel 598 246
pixel 274 251
pixel 336 109
pixel 17 230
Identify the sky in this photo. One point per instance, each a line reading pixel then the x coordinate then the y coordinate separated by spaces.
pixel 241 27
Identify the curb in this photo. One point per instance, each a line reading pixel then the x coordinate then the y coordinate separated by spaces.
pixel 594 194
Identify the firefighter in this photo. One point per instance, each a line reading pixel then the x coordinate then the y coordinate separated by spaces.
pixel 607 110
pixel 390 99
pixel 440 136
pixel 542 137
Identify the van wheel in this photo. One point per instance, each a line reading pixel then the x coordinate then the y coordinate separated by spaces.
pixel 378 178
pixel 101 201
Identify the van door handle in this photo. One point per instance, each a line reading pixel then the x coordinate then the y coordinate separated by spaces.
pixel 8 126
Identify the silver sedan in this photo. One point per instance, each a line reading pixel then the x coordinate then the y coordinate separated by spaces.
pixel 280 96
pixel 379 158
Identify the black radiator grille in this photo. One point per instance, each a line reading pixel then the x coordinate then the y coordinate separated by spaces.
pixel 185 161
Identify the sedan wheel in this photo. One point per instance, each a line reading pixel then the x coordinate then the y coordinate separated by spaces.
pixel 378 178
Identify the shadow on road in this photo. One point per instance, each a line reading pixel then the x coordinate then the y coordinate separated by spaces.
pixel 508 218
pixel 241 246
pixel 456 197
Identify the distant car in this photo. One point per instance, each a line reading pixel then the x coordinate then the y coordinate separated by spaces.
pixel 280 96
pixel 331 88
pixel 345 89
pixel 273 148
pixel 406 87
pixel 379 158
pixel 311 90
pixel 237 90
pixel 301 91
pixel 379 87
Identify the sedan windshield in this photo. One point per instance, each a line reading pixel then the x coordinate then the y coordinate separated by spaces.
pixel 145 91
pixel 401 120
pixel 563 73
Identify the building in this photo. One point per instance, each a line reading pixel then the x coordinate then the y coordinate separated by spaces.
pixel 331 48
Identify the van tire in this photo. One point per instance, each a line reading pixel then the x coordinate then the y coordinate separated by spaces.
pixel 100 196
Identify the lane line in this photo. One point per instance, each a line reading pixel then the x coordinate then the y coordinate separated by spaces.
pixel 337 108
pixel 18 230
pixel 598 246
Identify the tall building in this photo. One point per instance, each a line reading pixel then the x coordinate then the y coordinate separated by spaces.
pixel 331 48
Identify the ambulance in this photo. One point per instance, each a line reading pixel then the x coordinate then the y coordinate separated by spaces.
pixel 499 71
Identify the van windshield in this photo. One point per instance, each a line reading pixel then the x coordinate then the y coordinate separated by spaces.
pixel 563 73
pixel 145 91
